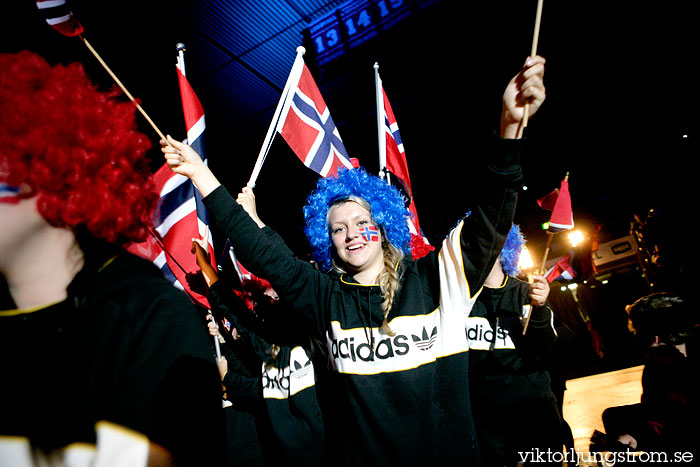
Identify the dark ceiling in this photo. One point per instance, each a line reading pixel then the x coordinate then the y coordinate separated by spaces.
pixel 621 95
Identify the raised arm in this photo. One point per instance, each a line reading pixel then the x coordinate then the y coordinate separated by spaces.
pixel 484 231
pixel 264 255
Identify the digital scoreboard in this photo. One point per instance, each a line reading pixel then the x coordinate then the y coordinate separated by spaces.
pixel 355 22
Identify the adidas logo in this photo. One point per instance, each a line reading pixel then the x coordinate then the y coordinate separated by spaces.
pixel 385 348
pixel 297 370
pixel 275 379
pixel 425 342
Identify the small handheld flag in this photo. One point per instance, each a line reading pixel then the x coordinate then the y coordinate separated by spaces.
pixel 563 269
pixel 9 194
pixel 559 202
pixel 58 15
pixel 62 20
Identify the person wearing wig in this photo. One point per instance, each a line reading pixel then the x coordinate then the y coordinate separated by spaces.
pixel 515 410
pixel 397 392
pixel 102 358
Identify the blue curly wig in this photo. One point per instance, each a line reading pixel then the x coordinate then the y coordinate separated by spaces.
pixel 510 254
pixel 388 210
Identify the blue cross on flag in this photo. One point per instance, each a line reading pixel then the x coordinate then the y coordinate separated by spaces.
pixel 308 128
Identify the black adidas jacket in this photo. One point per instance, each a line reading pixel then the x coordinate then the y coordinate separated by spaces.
pixel 515 410
pixel 400 400
pixel 280 392
pixel 495 331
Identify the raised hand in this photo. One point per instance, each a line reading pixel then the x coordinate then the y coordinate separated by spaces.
pixel 184 160
pixel 525 87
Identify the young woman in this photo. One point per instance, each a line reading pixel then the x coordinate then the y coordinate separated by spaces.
pixel 394 328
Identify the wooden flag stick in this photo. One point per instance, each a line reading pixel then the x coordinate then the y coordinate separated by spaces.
pixel 530 279
pixel 526 318
pixel 546 252
pixel 533 52
pixel 119 83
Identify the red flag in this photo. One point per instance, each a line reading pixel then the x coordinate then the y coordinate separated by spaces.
pixel 559 202
pixel 562 269
pixel 181 215
pixel 397 165
pixel 307 126
pixel 58 15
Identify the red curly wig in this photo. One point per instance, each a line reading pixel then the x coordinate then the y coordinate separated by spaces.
pixel 77 149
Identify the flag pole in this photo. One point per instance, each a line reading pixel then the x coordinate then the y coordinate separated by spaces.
pixel 119 83
pixel 180 48
pixel 533 52
pixel 380 123
pixel 550 236
pixel 293 74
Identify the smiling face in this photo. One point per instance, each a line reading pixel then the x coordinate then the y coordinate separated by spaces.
pixel 357 241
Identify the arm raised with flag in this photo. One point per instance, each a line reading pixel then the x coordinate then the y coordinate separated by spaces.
pixel 527 87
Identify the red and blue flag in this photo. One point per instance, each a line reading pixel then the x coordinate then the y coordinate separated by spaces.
pixel 370 234
pixel 563 269
pixel 9 194
pixel 394 163
pixel 181 215
pixel 58 15
pixel 307 126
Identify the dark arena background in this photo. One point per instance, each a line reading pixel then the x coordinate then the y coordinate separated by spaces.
pixel 620 118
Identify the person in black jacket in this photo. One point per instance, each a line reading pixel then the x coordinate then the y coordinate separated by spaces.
pixel 273 383
pixel 394 328
pixel 666 329
pixel 515 411
pixel 102 359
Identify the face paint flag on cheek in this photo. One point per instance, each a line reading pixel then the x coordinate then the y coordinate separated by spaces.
pixel 9 194
pixel 370 234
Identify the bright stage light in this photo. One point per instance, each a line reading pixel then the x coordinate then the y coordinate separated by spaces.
pixel 525 260
pixel 575 238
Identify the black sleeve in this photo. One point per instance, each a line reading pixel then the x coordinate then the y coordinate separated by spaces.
pixel 298 282
pixel 486 227
pixel 540 336
pixel 240 385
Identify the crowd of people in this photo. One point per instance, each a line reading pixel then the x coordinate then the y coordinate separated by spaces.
pixel 363 356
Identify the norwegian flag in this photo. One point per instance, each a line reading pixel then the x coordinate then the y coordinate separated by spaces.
pixel 563 269
pixel 181 215
pixel 58 15
pixel 9 194
pixel 306 124
pixel 393 161
pixel 370 234
pixel 559 202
